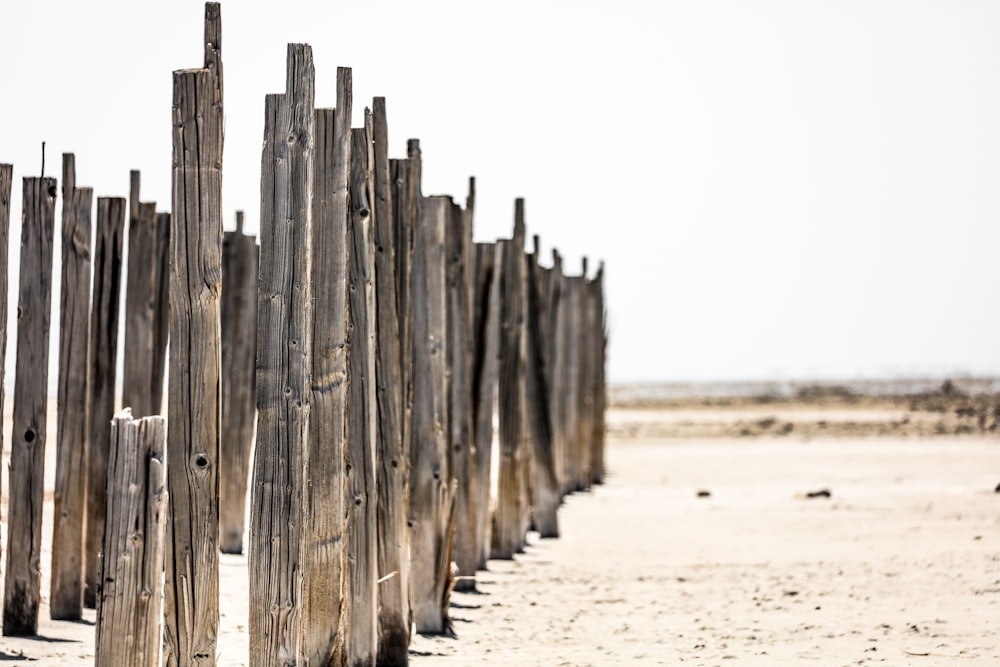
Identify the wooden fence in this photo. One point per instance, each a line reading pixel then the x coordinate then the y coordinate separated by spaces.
pixel 376 342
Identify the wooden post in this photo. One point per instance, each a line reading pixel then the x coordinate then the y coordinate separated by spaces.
pixel 584 425
pixel 22 584
pixel 141 293
pixel 392 458
pixel 239 366
pixel 104 307
pixel 325 598
pixel 69 499
pixel 129 609
pixel 599 343
pixel 362 537
pixel 554 367
pixel 6 180
pixel 161 313
pixel 284 365
pixel 431 498
pixel 191 583
pixel 570 336
pixel 484 384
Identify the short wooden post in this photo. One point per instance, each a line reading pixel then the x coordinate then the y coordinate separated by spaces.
pixel 22 585
pixel 69 500
pixel 486 341
pixel 392 459
pixel 325 555
pixel 161 314
pixel 284 365
pixel 239 371
pixel 431 498
pixel 130 599
pixel 191 580
pixel 104 307
pixel 6 179
pixel 141 293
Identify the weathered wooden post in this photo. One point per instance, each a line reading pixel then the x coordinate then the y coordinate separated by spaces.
pixel 555 367
pixel 584 426
pixel 6 179
pixel 161 314
pixel 129 608
pixel 325 556
pixel 392 457
pixel 431 494
pixel 485 354
pixel 22 584
pixel 598 393
pixel 284 364
pixel 69 500
pixel 571 327
pixel 191 580
pixel 141 293
pixel 104 306
pixel 239 370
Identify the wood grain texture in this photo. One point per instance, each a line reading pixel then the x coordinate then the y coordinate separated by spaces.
pixel 69 498
pixel 392 457
pixel 191 605
pixel 326 599
pixel 161 314
pixel 284 363
pixel 22 581
pixel 239 373
pixel 104 307
pixel 130 600
pixel 6 178
pixel 141 295
pixel 362 529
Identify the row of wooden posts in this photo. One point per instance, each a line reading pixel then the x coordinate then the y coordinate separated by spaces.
pixel 373 339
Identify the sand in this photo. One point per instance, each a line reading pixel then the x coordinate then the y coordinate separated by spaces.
pixel 900 566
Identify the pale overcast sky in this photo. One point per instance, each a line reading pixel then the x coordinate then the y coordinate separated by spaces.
pixel 779 188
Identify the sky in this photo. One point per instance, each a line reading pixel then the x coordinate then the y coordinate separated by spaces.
pixel 779 189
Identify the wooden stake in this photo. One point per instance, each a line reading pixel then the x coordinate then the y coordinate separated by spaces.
pixel 141 293
pixel 161 313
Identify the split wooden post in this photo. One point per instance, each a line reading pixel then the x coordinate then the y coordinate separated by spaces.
pixel 161 313
pixel 284 365
pixel 6 180
pixel 431 495
pixel 130 599
pixel 104 307
pixel 362 537
pixel 191 579
pixel 485 356
pixel 22 584
pixel 392 459
pixel 239 368
pixel 325 556
pixel 69 499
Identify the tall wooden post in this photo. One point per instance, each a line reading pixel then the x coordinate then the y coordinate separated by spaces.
pixel 599 344
pixel 69 499
pixel 22 584
pixel 161 314
pixel 130 601
pixel 392 459
pixel 570 337
pixel 284 364
pixel 431 496
pixel 555 367
pixel 584 424
pixel 104 307
pixel 191 584
pixel 239 369
pixel 325 556
pixel 6 178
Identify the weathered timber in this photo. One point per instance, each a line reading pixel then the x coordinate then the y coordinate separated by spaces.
pixel 104 307
pixel 431 498
pixel 547 493
pixel 22 583
pixel 239 367
pixel 130 597
pixel 362 537
pixel 161 313
pixel 459 240
pixel 484 384
pixel 191 583
pixel 598 352
pixel 284 364
pixel 584 419
pixel 392 457
pixel 571 326
pixel 6 180
pixel 141 294
pixel 69 499
pixel 325 556
pixel 555 367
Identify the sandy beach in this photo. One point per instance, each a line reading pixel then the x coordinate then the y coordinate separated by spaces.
pixel 900 565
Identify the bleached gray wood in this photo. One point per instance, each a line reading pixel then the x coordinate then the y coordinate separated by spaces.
pixel 191 580
pixel 284 363
pixel 104 307
pixel 326 599
pixel 69 498
pixel 239 372
pixel 431 499
pixel 362 526
pixel 161 313
pixel 130 601
pixel 141 295
pixel 392 460
pixel 22 581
